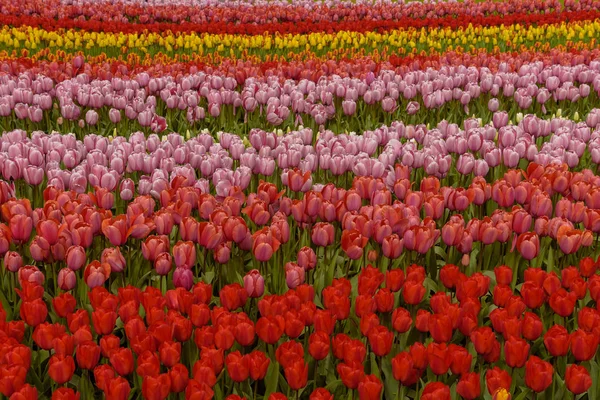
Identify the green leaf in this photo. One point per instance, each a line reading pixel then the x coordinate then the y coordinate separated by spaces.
pixel 375 367
pixel 333 385
pixel 272 378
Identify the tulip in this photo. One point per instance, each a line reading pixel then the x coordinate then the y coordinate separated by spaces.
pixel 294 275
pixel 497 379
pixel 237 366
pixel 351 374
pixel 578 379
pixel 370 388
pixel 65 394
pixel 156 388
pixel 254 284
pixel 88 355
pixel 436 390
pixel 469 386
pixel 61 368
pixel 538 374
pixel 66 279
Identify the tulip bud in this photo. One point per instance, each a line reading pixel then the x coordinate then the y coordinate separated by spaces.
pixel 75 257
pixel 254 283
pixel 307 258
pixel 294 275
pixel 13 261
pixel 66 279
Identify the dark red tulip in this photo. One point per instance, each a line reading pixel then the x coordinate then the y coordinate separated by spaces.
pixel 469 386
pixel 578 379
pixel 156 388
pixel 61 368
pixel 557 340
pixel 118 389
pixel 583 345
pixel 169 353
pixel 179 376
pixel 380 340
pixel 88 355
pixel 496 379
pixel 121 360
pixel 258 363
pixel 370 388
pixel 318 345
pixel 351 374
pixel 538 374
pixel 296 374
pixel 237 366
pixel 103 375
pixel 435 391
pixel 516 352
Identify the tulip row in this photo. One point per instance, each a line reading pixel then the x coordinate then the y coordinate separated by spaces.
pixel 147 165
pixel 305 27
pixel 220 102
pixel 512 37
pixel 61 66
pixel 280 12
pixel 354 335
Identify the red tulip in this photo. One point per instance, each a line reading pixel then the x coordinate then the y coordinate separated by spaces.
pixel 296 374
pixel 258 363
pixel 351 374
pixel 237 366
pixel 380 340
pixel 27 392
pixel 179 376
pixel 64 304
pixel 435 391
pixel 469 386
pixel 440 327
pixel 583 345
pixel 370 388
pixel 88 355
pixel 578 379
pixel 65 394
pixel 438 358
pixel 103 375
pixel 270 329
pixel 318 345
pixel 515 352
pixel 538 374
pixel 34 312
pixel 321 394
pixel 483 340
pixel 496 379
pixel 460 359
pixel 61 368
pixel 121 360
pixel 156 388
pixel 118 389
pixel 401 320
pixel 557 340
pixel 531 327
pixel 402 366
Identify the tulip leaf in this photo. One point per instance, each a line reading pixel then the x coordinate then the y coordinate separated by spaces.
pixel 390 384
pixel 374 367
pixel 593 392
pixel 333 385
pixel 523 395
pixel 6 306
pixel 272 378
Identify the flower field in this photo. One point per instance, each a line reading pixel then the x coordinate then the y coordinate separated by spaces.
pixel 265 199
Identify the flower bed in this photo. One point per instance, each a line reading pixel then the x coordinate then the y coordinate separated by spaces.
pixel 273 200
